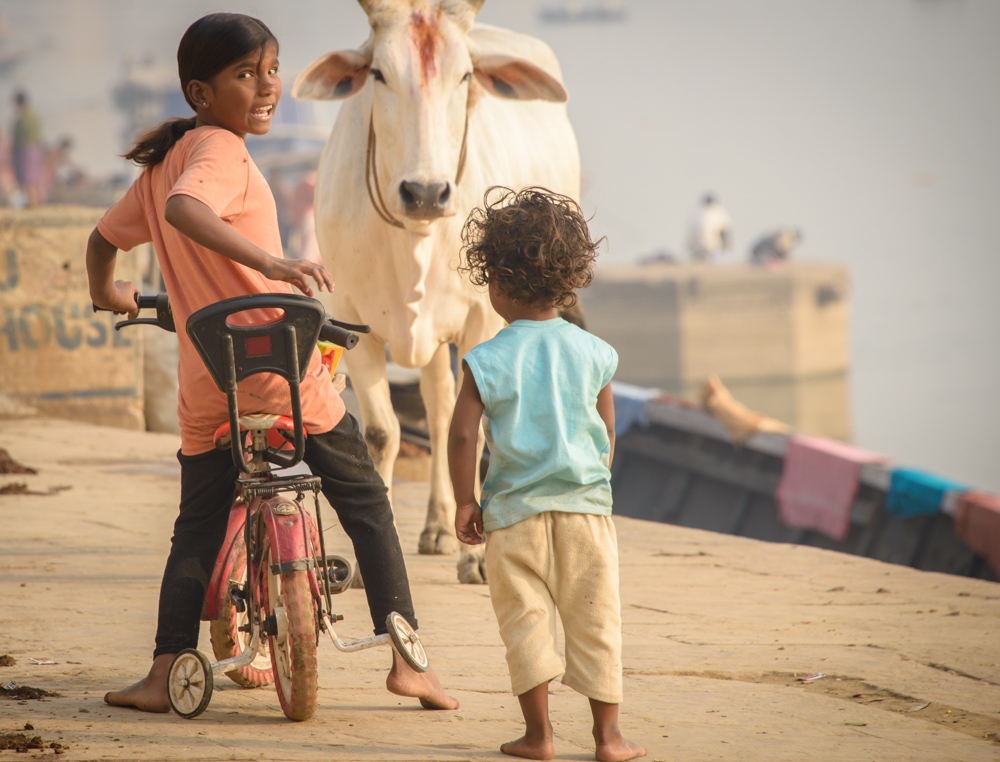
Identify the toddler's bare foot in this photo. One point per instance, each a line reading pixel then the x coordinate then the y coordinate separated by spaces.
pixel 403 680
pixel 150 693
pixel 618 750
pixel 530 749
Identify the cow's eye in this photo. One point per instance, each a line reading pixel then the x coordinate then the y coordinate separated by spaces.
pixel 377 73
pixel 467 77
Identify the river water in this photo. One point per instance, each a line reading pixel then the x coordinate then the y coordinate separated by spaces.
pixel 872 126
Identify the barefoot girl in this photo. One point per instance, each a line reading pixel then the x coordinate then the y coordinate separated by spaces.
pixel 212 218
pixel 543 386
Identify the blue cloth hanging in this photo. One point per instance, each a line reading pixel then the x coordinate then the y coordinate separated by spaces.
pixel 916 493
pixel 630 405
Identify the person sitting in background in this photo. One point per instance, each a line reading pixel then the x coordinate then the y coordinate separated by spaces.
pixel 773 248
pixel 710 233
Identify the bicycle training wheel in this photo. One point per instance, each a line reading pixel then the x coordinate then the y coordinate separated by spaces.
pixel 227 639
pixel 189 683
pixel 291 611
pixel 407 642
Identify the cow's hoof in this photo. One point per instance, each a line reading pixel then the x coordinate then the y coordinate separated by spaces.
pixel 472 569
pixel 437 541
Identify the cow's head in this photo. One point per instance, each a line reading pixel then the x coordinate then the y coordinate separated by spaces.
pixel 427 67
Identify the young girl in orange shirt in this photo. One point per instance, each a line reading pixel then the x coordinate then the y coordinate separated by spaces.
pixel 212 218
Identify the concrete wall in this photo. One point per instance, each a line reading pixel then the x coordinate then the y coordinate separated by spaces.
pixel 56 354
pixel 780 340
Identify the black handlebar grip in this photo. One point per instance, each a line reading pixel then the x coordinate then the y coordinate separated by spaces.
pixel 337 335
pixel 160 302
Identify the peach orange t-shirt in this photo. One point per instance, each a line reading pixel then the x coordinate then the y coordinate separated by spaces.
pixel 212 165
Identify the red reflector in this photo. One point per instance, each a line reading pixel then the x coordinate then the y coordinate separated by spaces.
pixel 258 346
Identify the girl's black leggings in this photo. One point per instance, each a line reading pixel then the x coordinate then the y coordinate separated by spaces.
pixel 352 485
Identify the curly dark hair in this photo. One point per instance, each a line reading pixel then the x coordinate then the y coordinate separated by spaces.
pixel 533 243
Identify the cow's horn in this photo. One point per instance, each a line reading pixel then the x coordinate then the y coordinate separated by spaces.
pixel 475 5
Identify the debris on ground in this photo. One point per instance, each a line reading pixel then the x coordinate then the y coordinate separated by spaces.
pixel 21 743
pixel 7 661
pixel 10 466
pixel 21 692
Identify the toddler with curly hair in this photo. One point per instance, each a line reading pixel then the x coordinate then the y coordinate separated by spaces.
pixel 542 389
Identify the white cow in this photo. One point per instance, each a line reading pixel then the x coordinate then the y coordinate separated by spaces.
pixel 436 110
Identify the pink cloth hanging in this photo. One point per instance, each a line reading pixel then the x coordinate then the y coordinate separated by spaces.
pixel 819 483
pixel 977 522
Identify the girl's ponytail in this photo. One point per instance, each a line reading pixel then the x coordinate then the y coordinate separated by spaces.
pixel 151 147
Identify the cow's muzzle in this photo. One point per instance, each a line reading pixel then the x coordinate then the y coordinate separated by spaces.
pixel 425 201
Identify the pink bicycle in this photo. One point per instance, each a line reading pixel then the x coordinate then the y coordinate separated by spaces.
pixel 271 591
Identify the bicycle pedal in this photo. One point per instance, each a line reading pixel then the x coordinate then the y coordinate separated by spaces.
pixel 271 625
pixel 239 600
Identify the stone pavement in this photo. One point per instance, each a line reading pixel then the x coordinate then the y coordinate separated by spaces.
pixel 719 632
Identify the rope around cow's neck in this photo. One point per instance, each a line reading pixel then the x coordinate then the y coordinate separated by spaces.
pixel 371 173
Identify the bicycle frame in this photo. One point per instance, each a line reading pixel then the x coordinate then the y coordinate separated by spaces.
pixel 280 537
pixel 242 351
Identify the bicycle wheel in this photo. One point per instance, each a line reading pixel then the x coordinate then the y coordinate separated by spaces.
pixel 293 645
pixel 407 642
pixel 189 683
pixel 227 639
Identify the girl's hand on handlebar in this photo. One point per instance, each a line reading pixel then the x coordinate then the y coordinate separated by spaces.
pixel 121 300
pixel 297 272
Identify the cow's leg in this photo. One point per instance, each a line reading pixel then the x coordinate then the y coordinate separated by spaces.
pixel 437 388
pixel 366 364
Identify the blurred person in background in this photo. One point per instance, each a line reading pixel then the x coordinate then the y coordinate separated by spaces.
pixel 302 241
pixel 710 233
pixel 29 151
pixel 9 194
pixel 774 247
pixel 60 169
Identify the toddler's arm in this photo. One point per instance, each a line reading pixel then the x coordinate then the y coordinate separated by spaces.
pixel 198 222
pixel 106 292
pixel 606 409
pixel 463 440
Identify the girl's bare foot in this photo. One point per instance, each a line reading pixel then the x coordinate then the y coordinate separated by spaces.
pixel 150 693
pixel 403 680
pixel 530 749
pixel 618 750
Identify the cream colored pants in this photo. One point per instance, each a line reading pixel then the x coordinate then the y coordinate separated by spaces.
pixel 565 562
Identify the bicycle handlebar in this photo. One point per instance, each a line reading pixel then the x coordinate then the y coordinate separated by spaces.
pixel 160 302
pixel 337 335
pixel 333 331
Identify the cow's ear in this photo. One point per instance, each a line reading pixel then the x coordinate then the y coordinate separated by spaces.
pixel 517 79
pixel 334 76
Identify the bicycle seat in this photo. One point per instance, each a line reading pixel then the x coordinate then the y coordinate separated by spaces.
pixel 275 425
pixel 233 350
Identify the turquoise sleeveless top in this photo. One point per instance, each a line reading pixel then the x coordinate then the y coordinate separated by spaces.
pixel 549 447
